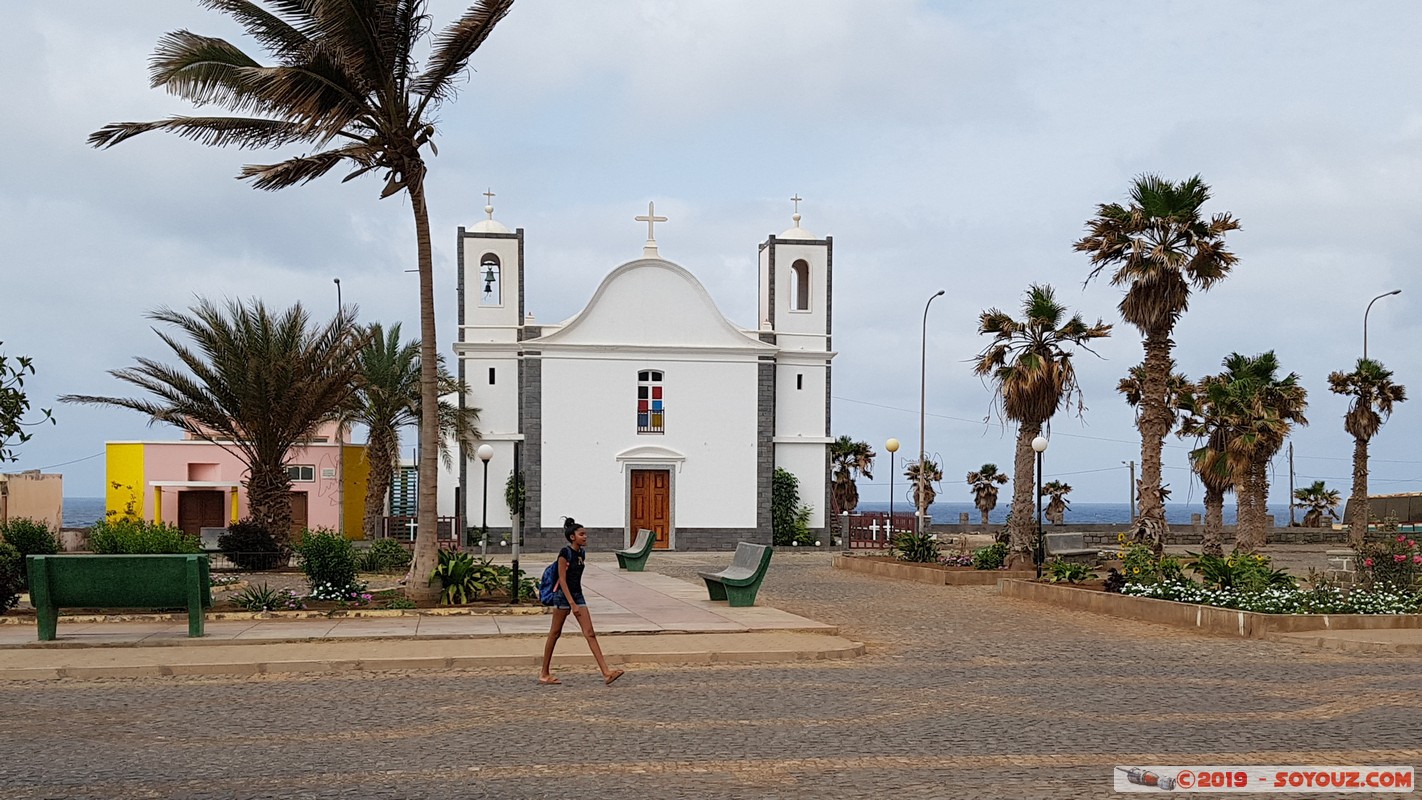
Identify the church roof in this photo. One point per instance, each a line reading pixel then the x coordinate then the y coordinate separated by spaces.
pixel 652 302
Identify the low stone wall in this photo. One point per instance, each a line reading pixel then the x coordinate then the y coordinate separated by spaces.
pixel 1104 536
pixel 1225 621
pixel 907 571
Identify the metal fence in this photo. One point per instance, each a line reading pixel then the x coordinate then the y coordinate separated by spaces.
pixel 873 531
pixel 402 529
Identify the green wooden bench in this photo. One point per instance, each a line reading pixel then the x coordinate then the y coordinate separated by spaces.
pixel 634 558
pixel 119 581
pixel 739 582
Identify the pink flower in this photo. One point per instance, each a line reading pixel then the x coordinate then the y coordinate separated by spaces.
pixel 1411 543
pixel 1417 559
pixel 1367 562
pixel 1401 538
pixel 1399 558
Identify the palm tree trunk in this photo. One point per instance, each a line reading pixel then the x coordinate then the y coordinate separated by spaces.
pixel 1358 528
pixel 1212 542
pixel 1022 530
pixel 985 515
pixel 426 538
pixel 1251 527
pixel 1155 423
pixel 380 454
pixel 269 499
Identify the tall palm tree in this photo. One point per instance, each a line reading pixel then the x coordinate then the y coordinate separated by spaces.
pixel 1030 363
pixel 252 382
pixel 346 82
pixel 848 460
pixel 1203 408
pixel 984 482
pixel 932 474
pixel 388 400
pixel 1319 500
pixel 1261 409
pixel 1058 506
pixel 1161 248
pixel 1374 395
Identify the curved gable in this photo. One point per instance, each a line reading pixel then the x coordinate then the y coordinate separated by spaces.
pixel 652 302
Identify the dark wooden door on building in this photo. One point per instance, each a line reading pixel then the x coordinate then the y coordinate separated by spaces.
pixel 198 509
pixel 651 504
pixel 298 512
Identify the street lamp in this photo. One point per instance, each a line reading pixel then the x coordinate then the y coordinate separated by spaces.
pixel 339 304
pixel 893 447
pixel 1365 317
pixel 485 452
pixel 922 382
pixel 1040 445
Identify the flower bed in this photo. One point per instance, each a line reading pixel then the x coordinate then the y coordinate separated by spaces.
pixel 1284 600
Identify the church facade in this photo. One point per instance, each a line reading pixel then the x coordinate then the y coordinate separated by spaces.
pixel 648 408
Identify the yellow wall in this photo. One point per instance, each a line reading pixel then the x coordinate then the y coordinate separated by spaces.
pixel 124 474
pixel 355 472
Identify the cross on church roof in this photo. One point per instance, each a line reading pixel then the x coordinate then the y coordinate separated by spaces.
pixel 649 250
pixel 489 200
pixel 796 200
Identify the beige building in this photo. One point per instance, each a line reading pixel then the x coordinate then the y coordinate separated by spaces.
pixel 34 495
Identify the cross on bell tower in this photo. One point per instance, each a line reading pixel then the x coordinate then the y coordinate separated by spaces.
pixel 649 250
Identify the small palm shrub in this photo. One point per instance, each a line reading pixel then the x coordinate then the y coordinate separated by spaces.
pixel 31 538
pixel 385 555
pixel 118 535
pixel 1068 571
pixel 327 558
pixel 12 576
pixel 462 578
pixel 249 545
pixel 991 557
pixel 1244 572
pixel 919 548
pixel 263 598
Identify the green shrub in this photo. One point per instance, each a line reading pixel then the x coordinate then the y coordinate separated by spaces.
pixel 30 537
pixel 1243 572
pixel 991 557
pixel 462 578
pixel 263 598
pixel 915 547
pixel 249 545
pixel 385 555
pixel 1394 562
pixel 1069 571
pixel 129 536
pixel 12 576
pixel 327 558
pixel 789 519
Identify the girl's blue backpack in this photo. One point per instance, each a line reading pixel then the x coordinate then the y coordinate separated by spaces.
pixel 548 585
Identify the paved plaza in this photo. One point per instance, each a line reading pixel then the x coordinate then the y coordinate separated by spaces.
pixel 960 693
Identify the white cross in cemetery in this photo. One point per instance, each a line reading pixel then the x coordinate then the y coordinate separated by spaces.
pixel 649 250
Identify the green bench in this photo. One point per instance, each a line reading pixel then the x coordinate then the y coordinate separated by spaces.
pixel 119 581
pixel 739 582
pixel 634 558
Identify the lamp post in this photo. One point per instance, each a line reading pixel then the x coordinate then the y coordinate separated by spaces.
pixel 893 447
pixel 1365 316
pixel 485 452
pixel 339 304
pixel 1040 445
pixel 922 395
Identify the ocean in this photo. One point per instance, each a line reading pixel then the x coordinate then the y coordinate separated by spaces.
pixel 81 512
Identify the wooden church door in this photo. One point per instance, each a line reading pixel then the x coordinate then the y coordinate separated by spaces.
pixel 651 504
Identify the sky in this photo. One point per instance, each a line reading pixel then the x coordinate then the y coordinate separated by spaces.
pixel 943 145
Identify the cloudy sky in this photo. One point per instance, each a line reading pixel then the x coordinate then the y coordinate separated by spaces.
pixel 952 145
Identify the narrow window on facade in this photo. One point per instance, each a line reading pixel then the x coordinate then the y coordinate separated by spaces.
pixel 800 280
pixel 490 274
pixel 491 376
pixel 799 380
pixel 651 413
pixel 301 473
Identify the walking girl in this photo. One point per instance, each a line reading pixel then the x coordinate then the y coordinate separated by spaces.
pixel 568 599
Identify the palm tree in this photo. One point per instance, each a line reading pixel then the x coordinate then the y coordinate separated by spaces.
pixel 256 384
pixel 1374 394
pixel 388 400
pixel 346 82
pixel 932 474
pixel 1161 248
pixel 1057 507
pixel 1260 410
pixel 848 460
pixel 1319 500
pixel 984 482
pixel 1203 408
pixel 1030 364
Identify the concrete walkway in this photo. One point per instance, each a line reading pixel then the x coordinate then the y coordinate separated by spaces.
pixel 640 618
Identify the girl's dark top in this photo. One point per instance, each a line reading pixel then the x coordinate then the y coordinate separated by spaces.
pixel 575 568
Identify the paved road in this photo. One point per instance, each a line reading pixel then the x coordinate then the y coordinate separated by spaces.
pixel 962 694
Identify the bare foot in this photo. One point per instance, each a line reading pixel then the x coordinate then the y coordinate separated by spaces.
pixel 612 676
pixel 549 680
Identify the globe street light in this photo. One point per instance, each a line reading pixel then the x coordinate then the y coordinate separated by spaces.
pixel 1365 317
pixel 893 447
pixel 922 375
pixel 485 452
pixel 1040 445
pixel 339 305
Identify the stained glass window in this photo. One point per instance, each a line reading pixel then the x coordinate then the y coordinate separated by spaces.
pixel 651 412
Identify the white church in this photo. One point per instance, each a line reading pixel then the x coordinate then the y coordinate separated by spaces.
pixel 648 408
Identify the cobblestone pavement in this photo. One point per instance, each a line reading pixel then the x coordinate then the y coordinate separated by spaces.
pixel 962 694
